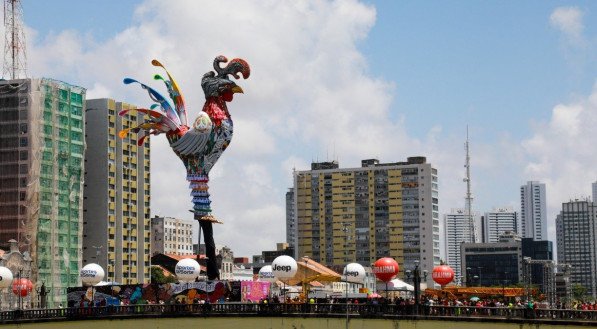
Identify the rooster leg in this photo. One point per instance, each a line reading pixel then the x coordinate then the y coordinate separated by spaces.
pixel 210 250
pixel 202 210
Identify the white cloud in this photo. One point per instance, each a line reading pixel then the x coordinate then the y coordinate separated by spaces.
pixel 309 94
pixel 98 91
pixel 561 153
pixel 309 85
pixel 569 20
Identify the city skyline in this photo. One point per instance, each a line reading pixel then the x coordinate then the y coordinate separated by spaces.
pixel 348 81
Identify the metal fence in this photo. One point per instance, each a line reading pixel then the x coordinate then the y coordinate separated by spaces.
pixel 316 310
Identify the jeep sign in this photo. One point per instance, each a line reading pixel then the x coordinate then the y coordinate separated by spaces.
pixel 354 272
pixel 284 267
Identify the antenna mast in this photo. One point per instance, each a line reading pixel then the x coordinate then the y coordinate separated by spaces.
pixel 468 200
pixel 15 56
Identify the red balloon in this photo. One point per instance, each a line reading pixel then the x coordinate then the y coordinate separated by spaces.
pixel 22 287
pixel 385 269
pixel 442 274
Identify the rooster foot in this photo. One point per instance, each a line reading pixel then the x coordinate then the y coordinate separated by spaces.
pixel 209 218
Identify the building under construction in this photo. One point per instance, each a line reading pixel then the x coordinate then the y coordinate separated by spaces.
pixel 41 169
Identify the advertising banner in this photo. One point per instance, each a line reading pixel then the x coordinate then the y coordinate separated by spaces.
pixel 254 291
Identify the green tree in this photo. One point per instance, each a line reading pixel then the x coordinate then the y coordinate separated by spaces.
pixel 157 276
pixel 578 291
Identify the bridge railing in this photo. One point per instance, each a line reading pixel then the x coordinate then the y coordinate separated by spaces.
pixel 337 309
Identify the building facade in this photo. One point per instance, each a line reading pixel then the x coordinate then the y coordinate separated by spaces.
pixel 492 264
pixel 41 178
pixel 457 230
pixel 171 236
pixel 290 221
pixel 533 211
pixel 281 249
pixel 576 238
pixel 362 214
pixel 497 222
pixel 117 194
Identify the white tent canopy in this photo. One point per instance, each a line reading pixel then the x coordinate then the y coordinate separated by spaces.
pixel 397 285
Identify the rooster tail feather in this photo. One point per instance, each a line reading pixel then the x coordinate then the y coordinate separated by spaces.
pixel 122 134
pixel 141 140
pixel 158 98
pixel 167 123
pixel 174 92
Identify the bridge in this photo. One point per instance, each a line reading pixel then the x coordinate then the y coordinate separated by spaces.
pixel 294 316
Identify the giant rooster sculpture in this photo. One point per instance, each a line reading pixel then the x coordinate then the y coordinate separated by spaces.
pixel 199 146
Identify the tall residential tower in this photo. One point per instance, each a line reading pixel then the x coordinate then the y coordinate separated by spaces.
pixel 457 230
pixel 533 211
pixel 117 194
pixel 577 241
pixel 362 214
pixel 497 222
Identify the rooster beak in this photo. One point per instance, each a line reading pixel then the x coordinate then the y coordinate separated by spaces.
pixel 237 89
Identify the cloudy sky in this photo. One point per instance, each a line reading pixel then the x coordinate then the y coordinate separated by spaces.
pixel 348 80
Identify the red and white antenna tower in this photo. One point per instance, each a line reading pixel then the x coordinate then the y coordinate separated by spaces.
pixel 15 56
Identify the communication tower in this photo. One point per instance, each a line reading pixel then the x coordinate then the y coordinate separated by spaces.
pixel 469 196
pixel 15 56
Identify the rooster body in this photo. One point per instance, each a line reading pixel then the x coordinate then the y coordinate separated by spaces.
pixel 202 144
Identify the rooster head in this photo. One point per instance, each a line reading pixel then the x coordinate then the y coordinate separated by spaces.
pixel 217 84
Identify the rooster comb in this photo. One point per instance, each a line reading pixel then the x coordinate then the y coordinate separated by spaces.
pixel 235 66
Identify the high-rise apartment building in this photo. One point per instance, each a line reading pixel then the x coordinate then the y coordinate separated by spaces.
pixel 577 241
pixel 290 221
pixel 362 214
pixel 172 236
pixel 497 222
pixel 41 170
pixel 457 230
pixel 594 188
pixel 533 211
pixel 117 194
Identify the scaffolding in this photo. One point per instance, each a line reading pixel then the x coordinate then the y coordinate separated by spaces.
pixel 549 268
pixel 41 171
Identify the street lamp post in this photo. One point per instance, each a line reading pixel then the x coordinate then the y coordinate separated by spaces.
pixel 504 285
pixel 19 297
pixel 305 283
pixel 416 276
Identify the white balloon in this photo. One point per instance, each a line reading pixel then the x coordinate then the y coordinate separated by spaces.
pixel 5 277
pixel 266 274
pixel 91 274
pixel 284 267
pixel 354 272
pixel 187 270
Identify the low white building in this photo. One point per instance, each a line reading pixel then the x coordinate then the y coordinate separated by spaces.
pixel 171 236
